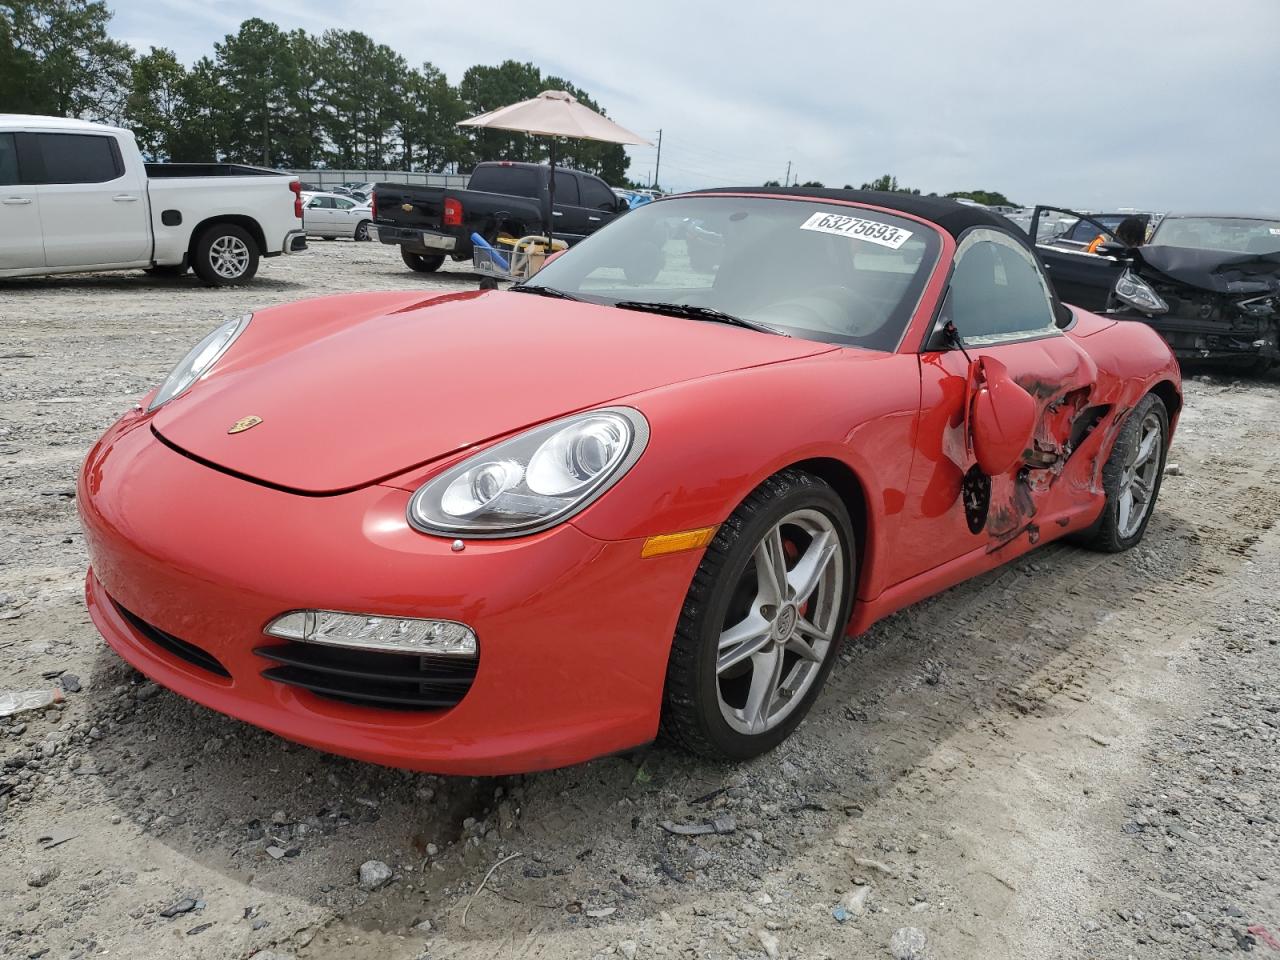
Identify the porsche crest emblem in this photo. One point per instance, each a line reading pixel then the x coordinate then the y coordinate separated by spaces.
pixel 407 207
pixel 244 423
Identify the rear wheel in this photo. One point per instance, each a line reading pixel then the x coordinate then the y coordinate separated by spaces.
pixel 362 231
pixel 762 621
pixel 421 262
pixel 225 254
pixel 1131 478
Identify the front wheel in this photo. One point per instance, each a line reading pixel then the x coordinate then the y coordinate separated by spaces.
pixel 225 254
pixel 421 262
pixel 1131 478
pixel 762 621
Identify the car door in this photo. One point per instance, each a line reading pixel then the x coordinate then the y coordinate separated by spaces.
pixel 318 215
pixel 569 218
pixel 598 201
pixel 92 209
pixel 1003 310
pixel 1079 277
pixel 21 237
pixel 344 216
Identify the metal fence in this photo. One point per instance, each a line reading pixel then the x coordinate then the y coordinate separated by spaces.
pixel 333 178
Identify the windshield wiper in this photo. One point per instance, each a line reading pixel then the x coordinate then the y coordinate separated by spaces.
pixel 545 291
pixel 694 312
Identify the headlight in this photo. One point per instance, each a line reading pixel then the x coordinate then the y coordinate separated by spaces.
pixel 1136 292
pixel 199 361
pixel 535 480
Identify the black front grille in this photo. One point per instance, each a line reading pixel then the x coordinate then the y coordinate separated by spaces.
pixel 372 678
pixel 171 644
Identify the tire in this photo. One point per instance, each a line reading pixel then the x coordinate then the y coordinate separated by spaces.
pixel 168 270
pixel 362 232
pixel 421 262
pixel 1116 529
pixel 708 700
pixel 224 255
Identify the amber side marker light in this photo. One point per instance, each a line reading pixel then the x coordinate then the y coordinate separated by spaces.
pixel 677 542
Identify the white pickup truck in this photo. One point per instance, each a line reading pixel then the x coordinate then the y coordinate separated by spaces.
pixel 77 196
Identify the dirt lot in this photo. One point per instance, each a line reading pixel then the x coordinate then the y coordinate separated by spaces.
pixel 1075 756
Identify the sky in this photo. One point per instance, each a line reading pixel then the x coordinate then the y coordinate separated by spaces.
pixel 1152 104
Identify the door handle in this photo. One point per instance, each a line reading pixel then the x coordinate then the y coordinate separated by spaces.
pixel 17 201
pixel 556 213
pixel 124 198
pixel 594 219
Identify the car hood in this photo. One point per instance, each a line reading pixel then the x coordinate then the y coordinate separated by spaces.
pixel 1215 271
pixel 352 390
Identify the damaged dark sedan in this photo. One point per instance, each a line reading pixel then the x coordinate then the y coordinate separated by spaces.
pixel 1209 284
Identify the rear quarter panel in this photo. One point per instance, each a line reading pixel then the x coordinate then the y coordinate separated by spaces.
pixel 267 201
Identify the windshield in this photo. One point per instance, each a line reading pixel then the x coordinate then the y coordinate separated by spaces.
pixel 1222 234
pixel 820 271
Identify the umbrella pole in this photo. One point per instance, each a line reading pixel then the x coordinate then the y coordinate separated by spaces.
pixel 551 195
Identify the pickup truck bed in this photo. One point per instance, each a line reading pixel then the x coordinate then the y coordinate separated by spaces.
pixel 430 223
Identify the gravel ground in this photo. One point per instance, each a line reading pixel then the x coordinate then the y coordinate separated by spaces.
pixel 1074 756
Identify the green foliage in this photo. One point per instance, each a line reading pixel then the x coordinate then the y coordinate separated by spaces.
pixel 888 184
pixel 817 184
pixel 152 106
pixel 773 183
pixel 276 98
pixel 991 198
pixel 56 58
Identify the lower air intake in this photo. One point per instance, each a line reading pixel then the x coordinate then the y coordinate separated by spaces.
pixel 397 681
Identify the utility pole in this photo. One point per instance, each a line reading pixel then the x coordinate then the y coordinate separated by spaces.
pixel 786 181
pixel 657 164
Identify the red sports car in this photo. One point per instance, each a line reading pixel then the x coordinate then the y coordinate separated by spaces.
pixel 649 490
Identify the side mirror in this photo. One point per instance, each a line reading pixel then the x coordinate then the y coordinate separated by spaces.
pixel 1000 415
pixel 623 205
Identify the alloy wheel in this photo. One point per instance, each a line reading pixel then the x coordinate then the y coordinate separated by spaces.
pixel 229 257
pixel 1138 482
pixel 781 626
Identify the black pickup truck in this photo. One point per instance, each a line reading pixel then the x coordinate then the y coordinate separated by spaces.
pixel 431 223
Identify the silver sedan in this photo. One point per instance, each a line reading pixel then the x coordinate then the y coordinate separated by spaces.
pixel 331 215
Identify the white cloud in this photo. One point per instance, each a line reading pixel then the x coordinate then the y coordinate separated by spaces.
pixel 1143 103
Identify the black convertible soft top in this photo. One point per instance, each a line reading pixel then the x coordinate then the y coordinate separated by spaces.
pixel 951 216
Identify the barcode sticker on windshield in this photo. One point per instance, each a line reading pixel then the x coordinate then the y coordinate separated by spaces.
pixel 858 229
pixel 1274 231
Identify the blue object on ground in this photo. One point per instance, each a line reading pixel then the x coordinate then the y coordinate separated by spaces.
pixel 498 258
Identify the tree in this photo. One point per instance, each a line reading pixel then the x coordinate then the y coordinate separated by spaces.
pixel 201 116
pixel 152 107
pixel 990 198
pixel 773 183
pixel 812 183
pixel 363 92
pixel 56 58
pixel 888 184
pixel 258 69
pixel 485 88
pixel 428 121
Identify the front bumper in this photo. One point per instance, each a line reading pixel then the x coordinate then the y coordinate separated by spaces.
pixel 1198 339
pixel 574 632
pixel 420 241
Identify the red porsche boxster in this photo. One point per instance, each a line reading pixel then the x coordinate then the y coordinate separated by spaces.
pixel 650 489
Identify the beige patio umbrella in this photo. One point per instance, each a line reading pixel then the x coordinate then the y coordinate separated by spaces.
pixel 555 113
